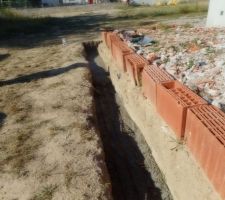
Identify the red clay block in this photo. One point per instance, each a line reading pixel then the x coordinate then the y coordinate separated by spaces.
pixel 111 37
pixel 151 76
pixel 134 65
pixel 172 101
pixel 205 135
pixel 114 40
pixel 119 51
pixel 104 35
pixel 108 39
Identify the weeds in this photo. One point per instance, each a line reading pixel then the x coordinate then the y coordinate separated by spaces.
pixel 190 64
pixel 188 25
pixel 46 193
pixel 56 130
pixel 18 150
pixel 179 144
pixel 157 11
pixel 69 174
pixel 12 23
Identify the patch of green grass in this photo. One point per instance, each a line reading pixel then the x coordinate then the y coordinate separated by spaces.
pixel 190 64
pixel 188 25
pixel 166 10
pixel 46 193
pixel 12 23
pixel 138 15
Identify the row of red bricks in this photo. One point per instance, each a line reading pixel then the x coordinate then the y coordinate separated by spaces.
pixel 200 125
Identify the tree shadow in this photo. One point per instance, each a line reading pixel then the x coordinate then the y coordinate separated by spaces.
pixel 29 32
pixel 41 75
pixel 4 56
pixel 2 118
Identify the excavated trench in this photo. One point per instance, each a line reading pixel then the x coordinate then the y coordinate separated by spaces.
pixel 133 171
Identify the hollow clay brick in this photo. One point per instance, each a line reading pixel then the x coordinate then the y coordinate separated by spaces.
pixel 205 137
pixel 111 37
pixel 172 101
pixel 151 76
pixel 104 35
pixel 119 51
pixel 134 65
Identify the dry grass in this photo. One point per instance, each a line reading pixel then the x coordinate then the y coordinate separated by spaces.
pixel 55 130
pixel 17 150
pixel 11 22
pixel 138 12
pixel 46 193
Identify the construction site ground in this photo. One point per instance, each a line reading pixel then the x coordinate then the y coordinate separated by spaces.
pixel 54 144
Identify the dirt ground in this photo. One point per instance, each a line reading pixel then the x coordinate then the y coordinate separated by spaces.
pixel 49 146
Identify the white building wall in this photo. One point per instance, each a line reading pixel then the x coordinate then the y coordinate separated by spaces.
pixel 74 1
pixel 216 13
pixel 149 2
pixel 51 2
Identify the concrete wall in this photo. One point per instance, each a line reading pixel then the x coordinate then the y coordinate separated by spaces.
pixel 216 13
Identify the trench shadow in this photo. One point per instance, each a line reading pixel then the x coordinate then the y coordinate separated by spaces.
pixel 41 75
pixel 125 162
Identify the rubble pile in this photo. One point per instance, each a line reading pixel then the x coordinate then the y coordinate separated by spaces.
pixel 194 56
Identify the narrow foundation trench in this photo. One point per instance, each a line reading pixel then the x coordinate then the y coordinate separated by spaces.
pixel 133 172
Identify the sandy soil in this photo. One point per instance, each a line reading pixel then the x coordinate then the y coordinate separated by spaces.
pixel 49 147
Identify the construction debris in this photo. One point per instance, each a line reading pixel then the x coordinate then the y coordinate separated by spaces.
pixel 194 56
